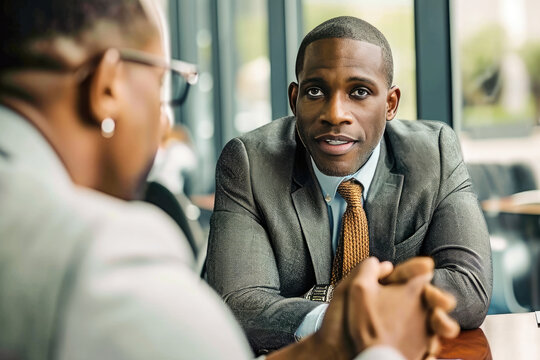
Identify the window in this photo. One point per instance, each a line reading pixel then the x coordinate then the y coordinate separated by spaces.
pixel 251 66
pixel 498 77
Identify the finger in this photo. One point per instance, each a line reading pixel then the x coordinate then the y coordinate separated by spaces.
pixel 435 297
pixel 385 269
pixel 409 269
pixel 360 316
pixel 434 347
pixel 369 268
pixel 417 284
pixel 443 325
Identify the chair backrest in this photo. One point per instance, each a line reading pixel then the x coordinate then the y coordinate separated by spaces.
pixel 511 275
pixel 499 180
pixel 176 206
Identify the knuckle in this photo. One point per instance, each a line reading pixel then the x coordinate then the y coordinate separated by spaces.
pixel 361 285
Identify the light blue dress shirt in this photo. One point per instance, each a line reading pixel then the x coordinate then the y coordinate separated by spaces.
pixel 336 206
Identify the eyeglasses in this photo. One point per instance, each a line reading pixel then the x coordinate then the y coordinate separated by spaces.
pixel 179 77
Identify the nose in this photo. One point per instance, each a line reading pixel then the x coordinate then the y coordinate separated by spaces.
pixel 336 111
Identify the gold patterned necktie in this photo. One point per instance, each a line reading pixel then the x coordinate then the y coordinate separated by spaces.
pixel 354 242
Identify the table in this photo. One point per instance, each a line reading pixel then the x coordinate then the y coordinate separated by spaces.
pixel 519 215
pixel 501 337
pixel 527 203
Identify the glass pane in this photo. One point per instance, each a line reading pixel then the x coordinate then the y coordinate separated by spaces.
pixel 201 117
pixel 194 129
pixel 252 66
pixel 498 75
pixel 498 44
pixel 395 19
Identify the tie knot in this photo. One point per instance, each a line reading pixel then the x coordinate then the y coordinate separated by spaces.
pixel 351 191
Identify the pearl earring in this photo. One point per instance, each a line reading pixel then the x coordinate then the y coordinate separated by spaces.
pixel 107 128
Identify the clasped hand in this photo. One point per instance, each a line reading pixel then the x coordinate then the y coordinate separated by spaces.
pixel 378 304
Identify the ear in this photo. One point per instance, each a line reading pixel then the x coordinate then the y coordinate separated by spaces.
pixel 392 102
pixel 293 95
pixel 104 87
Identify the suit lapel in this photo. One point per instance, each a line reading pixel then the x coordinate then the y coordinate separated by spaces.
pixel 382 206
pixel 313 215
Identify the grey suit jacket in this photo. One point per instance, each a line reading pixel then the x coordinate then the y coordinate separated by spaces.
pixel 270 236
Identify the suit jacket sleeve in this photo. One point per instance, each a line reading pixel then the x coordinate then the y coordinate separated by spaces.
pixel 241 262
pixel 457 238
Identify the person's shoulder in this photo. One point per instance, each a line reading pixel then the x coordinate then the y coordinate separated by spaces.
pixel 413 127
pixel 274 140
pixel 419 145
pixel 419 133
pixel 131 229
pixel 281 126
pixel 276 132
pixel 67 215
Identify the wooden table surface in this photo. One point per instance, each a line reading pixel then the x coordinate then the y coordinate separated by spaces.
pixel 527 202
pixel 501 337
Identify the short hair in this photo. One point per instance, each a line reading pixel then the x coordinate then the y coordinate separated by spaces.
pixel 23 23
pixel 348 27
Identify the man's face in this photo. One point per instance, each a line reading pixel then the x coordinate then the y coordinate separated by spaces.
pixel 342 103
pixel 141 124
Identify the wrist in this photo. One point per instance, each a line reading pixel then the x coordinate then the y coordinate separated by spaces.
pixel 312 347
pixel 330 347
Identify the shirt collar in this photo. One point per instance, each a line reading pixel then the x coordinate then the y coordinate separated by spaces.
pixel 26 148
pixel 364 176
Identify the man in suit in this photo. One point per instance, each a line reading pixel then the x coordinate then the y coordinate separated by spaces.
pixel 277 217
pixel 87 275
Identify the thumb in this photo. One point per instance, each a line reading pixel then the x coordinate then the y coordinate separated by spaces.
pixel 416 284
pixel 385 269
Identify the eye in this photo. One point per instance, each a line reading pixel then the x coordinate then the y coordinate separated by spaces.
pixel 360 93
pixel 314 92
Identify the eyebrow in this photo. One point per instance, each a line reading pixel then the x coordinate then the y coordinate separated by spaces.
pixel 362 79
pixel 350 79
pixel 313 80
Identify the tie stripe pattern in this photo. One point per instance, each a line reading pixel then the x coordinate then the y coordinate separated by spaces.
pixel 354 242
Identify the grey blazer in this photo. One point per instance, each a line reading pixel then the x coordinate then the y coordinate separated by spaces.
pixel 270 236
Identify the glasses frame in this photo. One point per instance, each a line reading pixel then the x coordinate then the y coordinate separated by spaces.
pixel 186 70
pixel 81 72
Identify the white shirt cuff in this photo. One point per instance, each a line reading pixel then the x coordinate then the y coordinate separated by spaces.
pixel 380 352
pixel 312 322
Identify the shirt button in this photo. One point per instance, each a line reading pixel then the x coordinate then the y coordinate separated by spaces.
pixel 327 198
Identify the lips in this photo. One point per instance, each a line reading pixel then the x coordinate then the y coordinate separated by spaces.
pixel 335 144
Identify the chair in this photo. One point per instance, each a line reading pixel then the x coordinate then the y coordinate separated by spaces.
pixel 513 254
pixel 184 213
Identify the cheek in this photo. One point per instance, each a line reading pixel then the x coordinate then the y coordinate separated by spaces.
pixel 374 121
pixel 303 130
pixel 140 130
pixel 146 116
pixel 308 118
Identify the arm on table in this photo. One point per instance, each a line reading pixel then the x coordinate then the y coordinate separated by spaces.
pixel 241 262
pixel 458 240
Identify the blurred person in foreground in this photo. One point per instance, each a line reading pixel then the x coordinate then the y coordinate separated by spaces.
pixel 302 200
pixel 84 274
